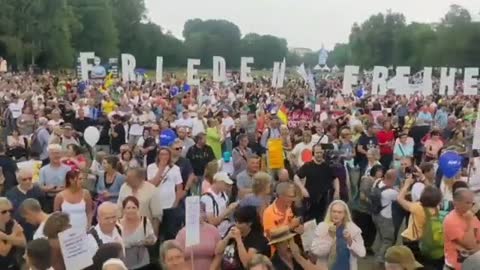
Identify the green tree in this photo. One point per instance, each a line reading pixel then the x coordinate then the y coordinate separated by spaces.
pixel 340 55
pixel 205 39
pixel 265 49
pixel 98 32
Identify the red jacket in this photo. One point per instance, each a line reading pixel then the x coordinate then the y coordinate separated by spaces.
pixel 384 136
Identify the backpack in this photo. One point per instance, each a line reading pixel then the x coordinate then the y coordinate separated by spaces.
pixel 216 211
pixel 375 199
pixel 431 242
pixel 97 238
pixel 36 146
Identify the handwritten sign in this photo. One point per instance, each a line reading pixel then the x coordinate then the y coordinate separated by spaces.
pixel 192 221
pixel 74 247
pixel 308 234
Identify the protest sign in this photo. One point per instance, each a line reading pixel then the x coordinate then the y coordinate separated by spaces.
pixel 74 247
pixel 380 83
pixel 128 67
pixel 219 69
pixel 192 72
pixel 308 233
pixel 192 221
pixel 278 75
pixel 245 70
pixel 159 73
pixel 447 81
pixel 275 154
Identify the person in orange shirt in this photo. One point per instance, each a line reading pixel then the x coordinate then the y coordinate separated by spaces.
pixel 461 230
pixel 279 213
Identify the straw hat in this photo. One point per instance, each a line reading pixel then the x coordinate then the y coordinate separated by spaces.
pixel 280 234
pixel 403 256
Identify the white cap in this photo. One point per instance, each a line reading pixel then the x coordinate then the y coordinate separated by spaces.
pixel 222 176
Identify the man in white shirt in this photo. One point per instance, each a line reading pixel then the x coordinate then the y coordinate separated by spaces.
pixel 199 123
pixel 216 201
pixel 302 152
pixel 32 212
pixel 383 220
pixel 185 121
pixel 107 230
pixel 15 106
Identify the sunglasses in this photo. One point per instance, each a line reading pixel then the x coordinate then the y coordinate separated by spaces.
pixel 27 179
pixel 178 148
pixel 3 212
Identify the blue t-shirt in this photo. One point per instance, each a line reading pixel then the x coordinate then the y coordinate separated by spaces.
pixel 342 261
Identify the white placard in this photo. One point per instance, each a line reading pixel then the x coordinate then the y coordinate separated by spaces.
pixel 379 80
pixel 192 72
pixel 308 234
pixel 447 81
pixel 245 70
pixel 74 247
pixel 470 81
pixel 350 77
pixel 159 73
pixel 219 69
pixel 85 67
pixel 400 81
pixel 278 75
pixel 128 67
pixel 476 135
pixel 192 221
pixel 427 83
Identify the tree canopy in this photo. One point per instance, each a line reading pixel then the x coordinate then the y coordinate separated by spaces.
pixel 51 33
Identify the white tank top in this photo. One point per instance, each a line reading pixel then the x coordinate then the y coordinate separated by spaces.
pixel 77 213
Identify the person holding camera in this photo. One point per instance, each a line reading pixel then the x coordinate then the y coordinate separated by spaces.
pixel 318 185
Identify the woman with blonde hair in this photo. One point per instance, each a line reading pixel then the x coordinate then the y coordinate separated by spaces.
pixel 261 192
pixel 338 241
pixel 210 170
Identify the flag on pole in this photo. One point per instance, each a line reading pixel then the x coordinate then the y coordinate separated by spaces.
pixel 283 114
pixel 108 82
pixel 302 72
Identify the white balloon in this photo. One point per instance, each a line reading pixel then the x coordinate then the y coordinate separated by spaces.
pixel 91 136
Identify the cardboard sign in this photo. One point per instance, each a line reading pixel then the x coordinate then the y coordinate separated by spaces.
pixel 192 221
pixel 275 154
pixel 74 247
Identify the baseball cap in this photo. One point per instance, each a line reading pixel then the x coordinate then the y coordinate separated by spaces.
pixel 67 126
pixel 472 262
pixel 403 256
pixel 222 176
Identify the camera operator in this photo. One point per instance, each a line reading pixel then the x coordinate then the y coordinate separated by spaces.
pixel 318 184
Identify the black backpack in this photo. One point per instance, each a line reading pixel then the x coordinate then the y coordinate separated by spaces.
pixel 375 199
pixel 97 238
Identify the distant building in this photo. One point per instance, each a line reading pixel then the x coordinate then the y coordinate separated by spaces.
pixel 300 51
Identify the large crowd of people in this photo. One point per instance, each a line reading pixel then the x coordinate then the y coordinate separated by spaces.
pixel 359 180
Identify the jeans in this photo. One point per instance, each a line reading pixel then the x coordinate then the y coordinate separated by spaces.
pixel 386 235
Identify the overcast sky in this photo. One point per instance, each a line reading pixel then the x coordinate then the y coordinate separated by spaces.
pixel 304 23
